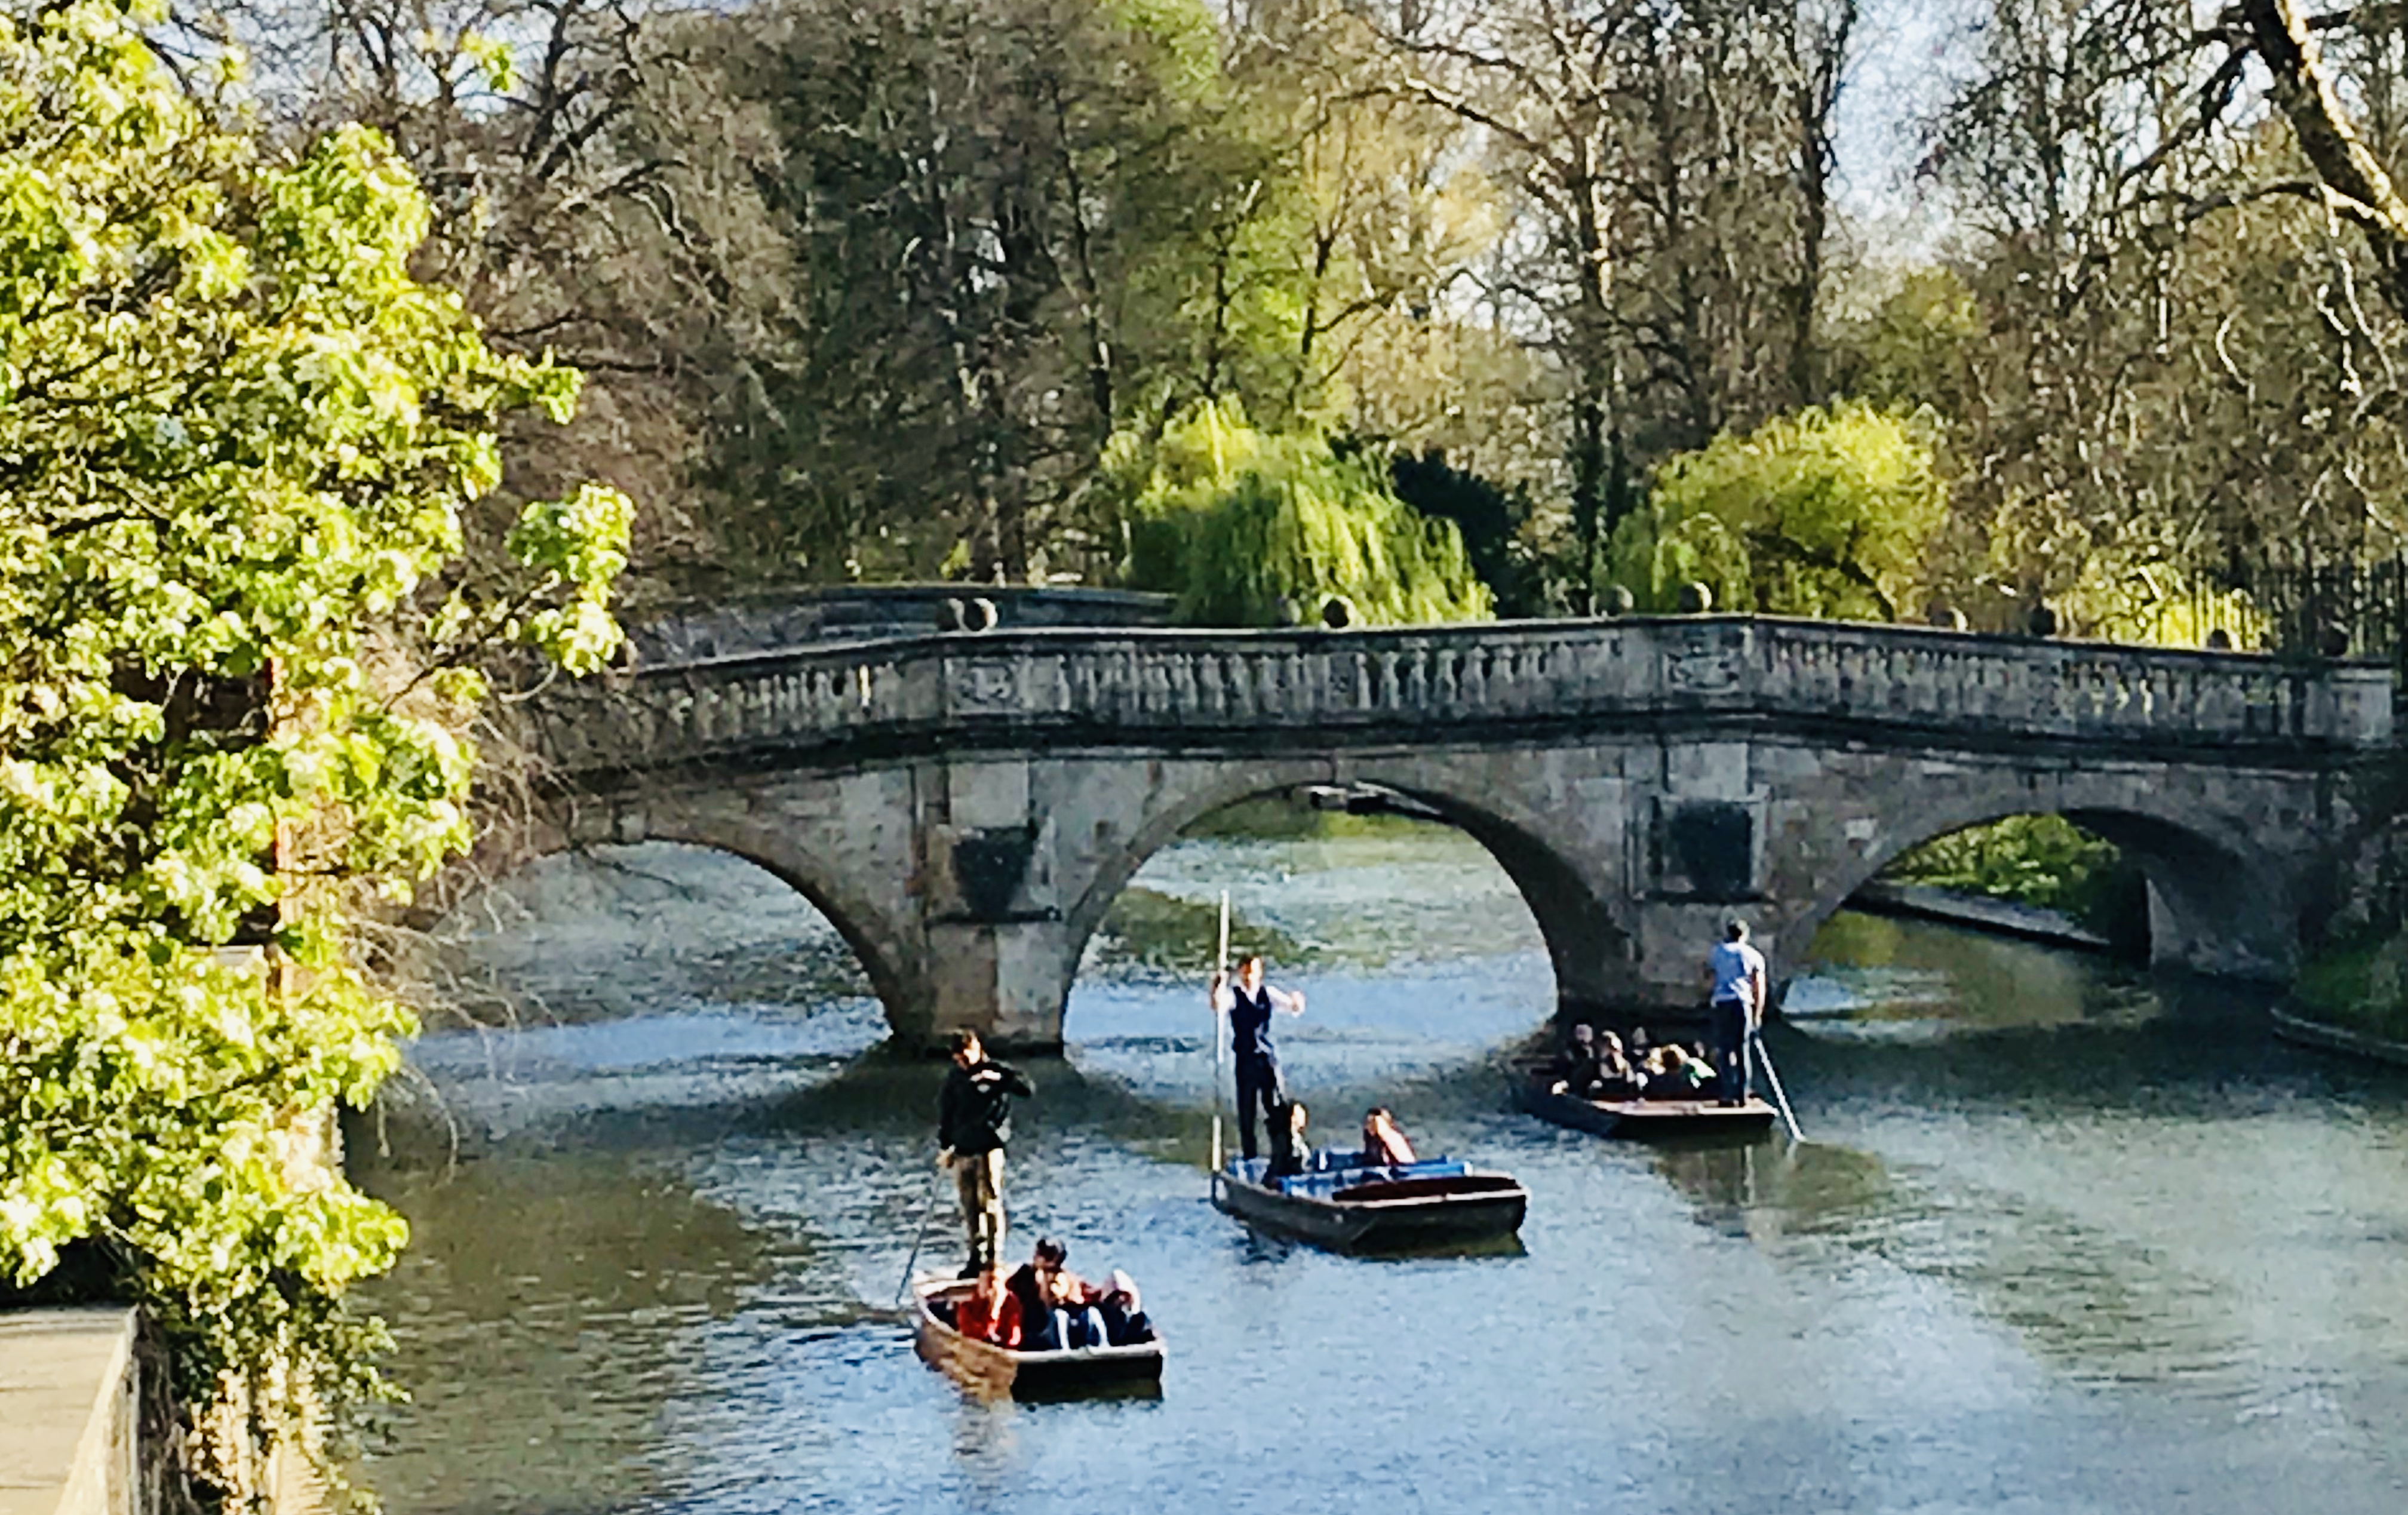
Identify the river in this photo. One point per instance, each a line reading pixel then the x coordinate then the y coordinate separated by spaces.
pixel 2064 1238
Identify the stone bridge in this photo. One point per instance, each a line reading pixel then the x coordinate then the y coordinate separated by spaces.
pixel 965 807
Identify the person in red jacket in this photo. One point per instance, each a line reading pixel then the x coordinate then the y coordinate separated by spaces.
pixel 992 1311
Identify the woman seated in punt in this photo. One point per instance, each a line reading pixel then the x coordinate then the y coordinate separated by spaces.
pixel 1383 1143
pixel 1291 1146
pixel 1615 1078
pixel 1675 1073
pixel 1126 1323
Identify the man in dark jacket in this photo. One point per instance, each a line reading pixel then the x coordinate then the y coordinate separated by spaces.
pixel 973 1122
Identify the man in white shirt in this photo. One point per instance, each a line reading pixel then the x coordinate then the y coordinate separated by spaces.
pixel 1248 1003
pixel 1735 1005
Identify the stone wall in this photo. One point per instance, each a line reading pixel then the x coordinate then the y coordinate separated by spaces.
pixel 68 1404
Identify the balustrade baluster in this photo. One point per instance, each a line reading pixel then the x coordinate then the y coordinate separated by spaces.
pixel 1184 698
pixel 1409 679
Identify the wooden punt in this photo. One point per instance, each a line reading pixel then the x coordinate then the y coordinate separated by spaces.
pixel 993 1372
pixel 1644 1118
pixel 1437 1203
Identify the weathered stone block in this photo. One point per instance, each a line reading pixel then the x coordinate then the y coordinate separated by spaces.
pixel 987 796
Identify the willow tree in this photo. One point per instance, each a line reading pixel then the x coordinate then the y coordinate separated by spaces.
pixel 1820 513
pixel 237 443
pixel 1254 529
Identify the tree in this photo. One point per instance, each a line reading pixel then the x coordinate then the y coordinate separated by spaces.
pixel 514 116
pixel 238 445
pixel 2350 179
pixel 2160 357
pixel 1491 519
pixel 1676 165
pixel 1823 513
pixel 1250 529
pixel 940 253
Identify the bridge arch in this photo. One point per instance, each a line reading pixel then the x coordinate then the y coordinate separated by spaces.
pixel 2217 899
pixel 1577 918
pixel 893 969
pixel 876 942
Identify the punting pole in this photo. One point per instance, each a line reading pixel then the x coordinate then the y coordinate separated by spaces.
pixel 927 1218
pixel 1756 1040
pixel 1221 968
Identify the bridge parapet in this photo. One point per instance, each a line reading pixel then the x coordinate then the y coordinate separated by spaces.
pixel 1190 689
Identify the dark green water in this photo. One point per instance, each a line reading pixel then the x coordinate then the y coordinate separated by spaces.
pixel 2063 1241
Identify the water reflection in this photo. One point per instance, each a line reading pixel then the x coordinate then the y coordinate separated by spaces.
pixel 522 1270
pixel 1906 980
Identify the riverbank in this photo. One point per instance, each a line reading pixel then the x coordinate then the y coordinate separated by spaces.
pixel 1978 912
pixel 2303 1032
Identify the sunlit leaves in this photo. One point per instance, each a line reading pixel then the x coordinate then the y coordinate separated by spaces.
pixel 1820 513
pixel 1251 529
pixel 237 443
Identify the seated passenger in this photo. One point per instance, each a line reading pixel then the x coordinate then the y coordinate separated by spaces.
pixel 1659 1069
pixel 1576 1067
pixel 991 1312
pixel 1077 1322
pixel 1673 1074
pixel 1383 1144
pixel 1124 1319
pixel 1031 1288
pixel 1290 1146
pixel 1701 1074
pixel 1615 1078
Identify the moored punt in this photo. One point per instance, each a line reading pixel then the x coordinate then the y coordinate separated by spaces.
pixel 993 1372
pixel 1643 1117
pixel 1352 1207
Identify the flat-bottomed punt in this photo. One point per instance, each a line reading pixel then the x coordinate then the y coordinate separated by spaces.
pixel 993 1372
pixel 1643 1118
pixel 1352 1207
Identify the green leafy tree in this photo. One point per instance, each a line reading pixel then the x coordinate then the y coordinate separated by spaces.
pixel 237 443
pixel 1819 513
pixel 929 256
pixel 1251 529
pixel 2042 860
pixel 1492 519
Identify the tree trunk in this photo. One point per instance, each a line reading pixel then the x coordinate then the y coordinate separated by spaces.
pixel 2355 184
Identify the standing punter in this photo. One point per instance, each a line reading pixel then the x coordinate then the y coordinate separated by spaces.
pixel 973 1122
pixel 1249 1003
pixel 1736 1007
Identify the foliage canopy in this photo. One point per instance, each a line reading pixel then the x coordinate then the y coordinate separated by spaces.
pixel 236 441
pixel 1819 513
pixel 1250 529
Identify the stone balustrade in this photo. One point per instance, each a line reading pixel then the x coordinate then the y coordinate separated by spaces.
pixel 1200 690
